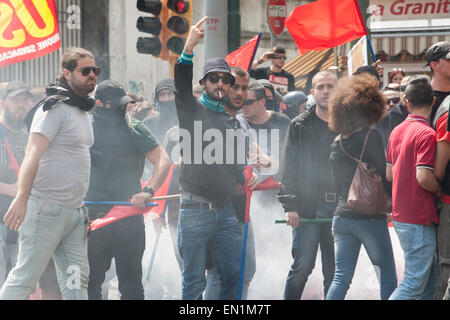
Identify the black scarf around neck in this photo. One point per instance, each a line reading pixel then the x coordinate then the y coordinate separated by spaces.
pixel 57 92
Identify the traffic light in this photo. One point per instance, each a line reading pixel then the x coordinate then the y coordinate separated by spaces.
pixel 169 25
pixel 152 25
pixel 178 24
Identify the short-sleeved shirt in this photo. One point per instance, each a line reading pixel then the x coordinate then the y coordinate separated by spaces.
pixel 440 96
pixel 412 145
pixel 118 157
pixel 64 168
pixel 443 135
pixel 282 79
pixel 17 142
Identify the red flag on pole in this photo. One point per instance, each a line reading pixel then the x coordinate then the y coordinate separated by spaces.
pixel 268 184
pixel 243 57
pixel 115 214
pixel 162 191
pixel 120 212
pixel 325 24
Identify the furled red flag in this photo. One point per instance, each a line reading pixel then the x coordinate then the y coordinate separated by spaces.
pixel 162 191
pixel 119 212
pixel 28 29
pixel 268 184
pixel 243 57
pixel 116 213
pixel 325 24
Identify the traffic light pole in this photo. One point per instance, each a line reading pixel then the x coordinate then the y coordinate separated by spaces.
pixel 216 28
pixel 234 25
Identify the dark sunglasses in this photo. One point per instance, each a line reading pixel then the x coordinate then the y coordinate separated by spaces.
pixel 394 100
pixel 85 71
pixel 281 57
pixel 226 78
pixel 250 101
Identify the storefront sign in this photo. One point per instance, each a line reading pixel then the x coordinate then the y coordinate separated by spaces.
pixel 409 9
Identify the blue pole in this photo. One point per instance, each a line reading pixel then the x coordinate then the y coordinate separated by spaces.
pixel 371 49
pixel 116 203
pixel 244 250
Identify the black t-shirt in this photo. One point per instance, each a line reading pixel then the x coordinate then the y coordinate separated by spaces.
pixel 343 168
pixel 117 158
pixel 282 79
pixel 17 143
pixel 324 137
pixel 277 121
pixel 440 96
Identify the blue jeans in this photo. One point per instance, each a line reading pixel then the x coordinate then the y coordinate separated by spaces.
pixel 8 254
pixel 419 246
pixel 213 278
pixel 217 231
pixel 349 234
pixel 50 230
pixel 306 239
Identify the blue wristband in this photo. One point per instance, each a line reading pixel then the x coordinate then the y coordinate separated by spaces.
pixel 186 58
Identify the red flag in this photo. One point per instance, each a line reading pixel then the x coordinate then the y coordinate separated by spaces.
pixel 116 213
pixel 162 191
pixel 120 212
pixel 325 24
pixel 268 184
pixel 243 57
pixel 28 29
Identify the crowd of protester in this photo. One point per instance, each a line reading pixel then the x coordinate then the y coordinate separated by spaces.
pixel 108 143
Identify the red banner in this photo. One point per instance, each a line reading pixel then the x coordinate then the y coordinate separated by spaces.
pixel 28 29
pixel 324 24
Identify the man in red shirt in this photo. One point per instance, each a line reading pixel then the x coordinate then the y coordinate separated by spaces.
pixel 410 158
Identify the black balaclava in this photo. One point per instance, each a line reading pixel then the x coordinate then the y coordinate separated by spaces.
pixel 270 103
pixel 167 109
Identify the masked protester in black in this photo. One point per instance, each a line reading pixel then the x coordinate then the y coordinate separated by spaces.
pixel 166 117
pixel 121 145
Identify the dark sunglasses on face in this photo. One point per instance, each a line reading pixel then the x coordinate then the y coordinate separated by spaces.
pixel 250 101
pixel 281 57
pixel 85 71
pixel 393 100
pixel 226 78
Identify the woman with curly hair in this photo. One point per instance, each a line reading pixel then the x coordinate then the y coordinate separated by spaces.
pixel 355 107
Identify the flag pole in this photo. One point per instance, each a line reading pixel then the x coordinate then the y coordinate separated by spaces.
pixel 244 240
pixel 254 51
pixel 247 217
pixel 372 53
pixel 116 203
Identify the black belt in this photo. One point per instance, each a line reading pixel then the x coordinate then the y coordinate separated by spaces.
pixel 200 205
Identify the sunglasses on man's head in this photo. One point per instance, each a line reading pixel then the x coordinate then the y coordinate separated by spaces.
pixel 226 78
pixel 393 100
pixel 85 71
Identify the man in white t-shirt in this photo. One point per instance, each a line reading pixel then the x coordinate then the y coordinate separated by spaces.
pixel 52 184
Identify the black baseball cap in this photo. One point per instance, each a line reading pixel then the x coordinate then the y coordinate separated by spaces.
pixel 112 91
pixel 437 51
pixel 15 88
pixel 215 65
pixel 368 69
